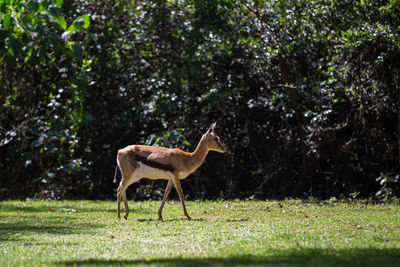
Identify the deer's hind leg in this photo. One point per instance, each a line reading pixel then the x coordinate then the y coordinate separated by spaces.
pixel 166 193
pixel 128 169
pixel 121 193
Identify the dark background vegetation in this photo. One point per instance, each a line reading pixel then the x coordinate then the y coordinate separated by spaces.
pixel 306 95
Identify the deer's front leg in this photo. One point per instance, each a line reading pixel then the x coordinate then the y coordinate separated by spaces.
pixel 166 193
pixel 178 187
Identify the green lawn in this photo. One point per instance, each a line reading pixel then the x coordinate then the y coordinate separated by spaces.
pixel 247 233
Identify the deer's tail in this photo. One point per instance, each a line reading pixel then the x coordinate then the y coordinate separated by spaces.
pixel 116 174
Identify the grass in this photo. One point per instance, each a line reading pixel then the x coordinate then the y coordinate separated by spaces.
pixel 232 233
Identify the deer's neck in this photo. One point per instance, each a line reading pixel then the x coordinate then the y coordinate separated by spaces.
pixel 199 155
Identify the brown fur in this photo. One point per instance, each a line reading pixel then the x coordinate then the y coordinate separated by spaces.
pixel 183 163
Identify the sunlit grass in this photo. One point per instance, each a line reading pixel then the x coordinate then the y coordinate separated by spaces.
pixel 221 233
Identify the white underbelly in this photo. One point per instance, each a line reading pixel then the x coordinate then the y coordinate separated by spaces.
pixel 145 171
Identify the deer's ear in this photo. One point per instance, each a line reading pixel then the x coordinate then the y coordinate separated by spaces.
pixel 212 127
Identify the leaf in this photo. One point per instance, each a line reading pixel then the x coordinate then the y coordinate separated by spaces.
pixel 40 28
pixel 27 19
pixel 86 19
pixel 33 5
pixel 9 136
pixel 55 11
pixel 66 35
pixel 78 23
pixel 71 28
pixel 59 2
pixel 54 37
pixel 7 21
pixel 77 48
pixel 47 16
pixel 41 7
pixel 91 35
pixel 81 22
pixel 3 34
pixel 150 139
pixel 60 20
pixel 174 136
pixel 16 46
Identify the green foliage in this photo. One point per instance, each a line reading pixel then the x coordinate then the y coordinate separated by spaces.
pixel 44 80
pixel 232 233
pixel 169 139
pixel 305 94
pixel 389 184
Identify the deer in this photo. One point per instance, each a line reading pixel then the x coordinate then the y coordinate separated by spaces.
pixel 173 164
